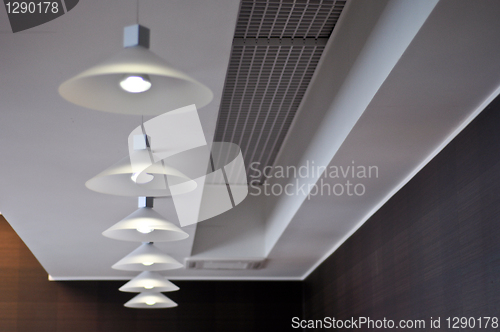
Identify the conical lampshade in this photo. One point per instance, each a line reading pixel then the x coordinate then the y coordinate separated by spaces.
pixel 117 180
pixel 148 282
pixel 98 88
pixel 150 301
pixel 145 225
pixel 147 258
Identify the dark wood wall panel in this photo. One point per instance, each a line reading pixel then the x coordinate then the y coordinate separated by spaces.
pixel 31 303
pixel 433 250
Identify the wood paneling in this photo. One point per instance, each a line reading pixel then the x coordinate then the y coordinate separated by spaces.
pixel 433 250
pixel 29 302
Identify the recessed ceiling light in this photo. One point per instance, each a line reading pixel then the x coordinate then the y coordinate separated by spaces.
pixel 136 83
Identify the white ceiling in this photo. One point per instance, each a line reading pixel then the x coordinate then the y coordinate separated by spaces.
pixel 397 81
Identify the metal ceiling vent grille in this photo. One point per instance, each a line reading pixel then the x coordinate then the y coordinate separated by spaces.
pixel 276 49
pixel 242 264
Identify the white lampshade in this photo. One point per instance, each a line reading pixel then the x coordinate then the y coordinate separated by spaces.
pixel 98 88
pixel 150 301
pixel 147 258
pixel 117 180
pixel 148 282
pixel 145 225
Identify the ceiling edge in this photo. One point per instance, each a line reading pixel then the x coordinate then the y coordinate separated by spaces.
pixel 434 153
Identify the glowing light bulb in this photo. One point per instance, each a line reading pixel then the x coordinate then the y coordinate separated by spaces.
pixel 145 229
pixel 142 178
pixel 147 263
pixel 150 302
pixel 149 286
pixel 135 83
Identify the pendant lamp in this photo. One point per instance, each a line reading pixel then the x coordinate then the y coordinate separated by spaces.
pixel 149 281
pixel 147 258
pixel 135 81
pixel 150 301
pixel 117 180
pixel 145 225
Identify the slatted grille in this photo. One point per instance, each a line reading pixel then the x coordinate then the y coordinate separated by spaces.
pixel 266 81
pixel 287 19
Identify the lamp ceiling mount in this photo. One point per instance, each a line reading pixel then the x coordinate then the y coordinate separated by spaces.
pixel 136 35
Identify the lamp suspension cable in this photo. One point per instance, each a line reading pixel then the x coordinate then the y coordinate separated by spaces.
pixel 137 13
